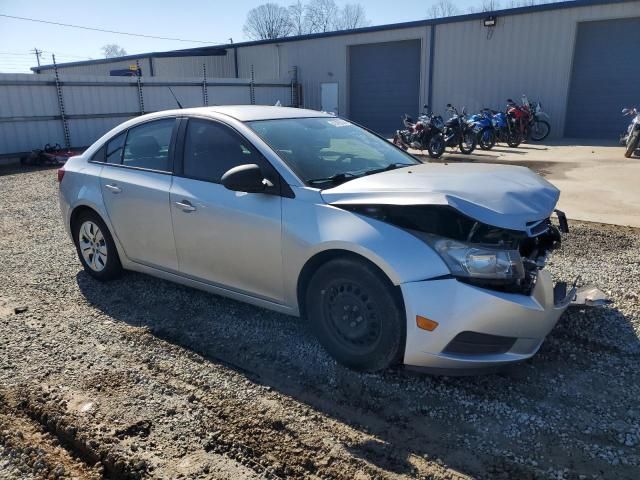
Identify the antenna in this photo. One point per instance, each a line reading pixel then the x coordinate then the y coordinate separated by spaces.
pixel 174 97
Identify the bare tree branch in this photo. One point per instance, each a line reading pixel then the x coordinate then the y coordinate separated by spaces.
pixel 321 15
pixel 351 16
pixel 299 25
pixel 267 21
pixel 443 8
pixel 112 50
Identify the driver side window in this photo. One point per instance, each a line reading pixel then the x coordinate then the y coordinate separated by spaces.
pixel 211 149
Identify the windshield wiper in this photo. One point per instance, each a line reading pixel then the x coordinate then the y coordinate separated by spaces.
pixel 336 179
pixel 391 166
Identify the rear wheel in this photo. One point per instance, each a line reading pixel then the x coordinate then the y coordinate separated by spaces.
pixel 540 130
pixel 632 143
pixel 354 312
pixel 95 246
pixel 436 146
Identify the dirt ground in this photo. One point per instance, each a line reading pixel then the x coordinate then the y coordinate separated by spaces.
pixel 141 378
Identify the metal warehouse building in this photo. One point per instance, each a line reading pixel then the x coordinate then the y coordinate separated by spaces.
pixel 578 58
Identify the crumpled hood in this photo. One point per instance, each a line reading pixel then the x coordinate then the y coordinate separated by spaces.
pixel 504 196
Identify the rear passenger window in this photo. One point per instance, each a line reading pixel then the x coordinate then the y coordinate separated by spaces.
pixel 99 155
pixel 212 148
pixel 114 149
pixel 147 145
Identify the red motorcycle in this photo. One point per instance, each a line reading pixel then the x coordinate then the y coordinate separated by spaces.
pixel 531 121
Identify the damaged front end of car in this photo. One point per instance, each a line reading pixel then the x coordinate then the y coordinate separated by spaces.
pixel 476 253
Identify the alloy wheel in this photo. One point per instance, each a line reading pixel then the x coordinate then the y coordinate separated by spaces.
pixel 93 246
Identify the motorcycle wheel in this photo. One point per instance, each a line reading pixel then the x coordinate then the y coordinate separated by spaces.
pixel 399 143
pixel 540 130
pixel 632 143
pixel 513 139
pixel 467 142
pixel 486 139
pixel 436 146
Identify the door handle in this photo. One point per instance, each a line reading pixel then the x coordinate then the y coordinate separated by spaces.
pixel 185 206
pixel 113 188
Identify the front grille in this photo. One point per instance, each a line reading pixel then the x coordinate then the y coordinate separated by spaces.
pixel 473 343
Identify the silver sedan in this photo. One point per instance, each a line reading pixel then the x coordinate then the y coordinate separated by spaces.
pixel 390 260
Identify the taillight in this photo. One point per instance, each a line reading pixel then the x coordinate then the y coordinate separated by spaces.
pixel 60 174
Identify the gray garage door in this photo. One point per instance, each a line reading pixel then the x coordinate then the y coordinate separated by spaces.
pixel 384 83
pixel 605 76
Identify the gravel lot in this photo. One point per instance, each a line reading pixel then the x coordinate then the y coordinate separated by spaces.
pixel 144 378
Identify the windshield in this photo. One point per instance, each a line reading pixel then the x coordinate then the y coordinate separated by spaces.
pixel 325 152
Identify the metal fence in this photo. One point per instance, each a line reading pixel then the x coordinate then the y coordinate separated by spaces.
pixel 74 111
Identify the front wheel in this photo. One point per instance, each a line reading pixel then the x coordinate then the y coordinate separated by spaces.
pixel 540 130
pixel 467 142
pixel 356 315
pixel 632 143
pixel 513 139
pixel 486 139
pixel 436 146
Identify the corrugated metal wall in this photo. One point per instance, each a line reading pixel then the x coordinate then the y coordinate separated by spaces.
pixel 30 115
pixel 530 53
pixel 323 60
pixel 474 66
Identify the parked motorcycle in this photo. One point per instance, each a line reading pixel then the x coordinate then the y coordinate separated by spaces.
pixel 424 134
pixel 631 138
pixel 538 127
pixel 484 129
pixel 506 129
pixel 458 132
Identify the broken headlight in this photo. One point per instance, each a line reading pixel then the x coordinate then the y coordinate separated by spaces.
pixel 478 261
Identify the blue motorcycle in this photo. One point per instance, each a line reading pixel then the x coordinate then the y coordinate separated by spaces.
pixel 505 128
pixel 484 129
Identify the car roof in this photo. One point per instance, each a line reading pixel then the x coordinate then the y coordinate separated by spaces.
pixel 247 113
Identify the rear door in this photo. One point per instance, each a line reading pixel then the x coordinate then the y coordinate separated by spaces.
pixel 230 239
pixel 135 182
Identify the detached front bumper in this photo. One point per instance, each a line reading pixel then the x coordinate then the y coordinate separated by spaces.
pixel 478 328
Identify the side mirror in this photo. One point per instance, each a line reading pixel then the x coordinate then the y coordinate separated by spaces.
pixel 245 178
pixel 426 107
pixel 625 111
pixel 449 105
pixel 509 100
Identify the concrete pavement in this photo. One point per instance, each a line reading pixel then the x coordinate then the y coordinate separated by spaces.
pixel 596 181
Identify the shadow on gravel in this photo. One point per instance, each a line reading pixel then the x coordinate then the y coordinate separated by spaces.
pixel 470 424
pixel 17 168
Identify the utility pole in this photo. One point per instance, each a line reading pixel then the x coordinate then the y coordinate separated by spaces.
pixel 38 53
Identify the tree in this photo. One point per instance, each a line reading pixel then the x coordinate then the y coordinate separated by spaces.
pixel 444 8
pixel 267 22
pixel 298 19
pixel 320 15
pixel 352 16
pixel 113 50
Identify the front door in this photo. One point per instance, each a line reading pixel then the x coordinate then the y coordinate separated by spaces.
pixel 230 239
pixel 135 183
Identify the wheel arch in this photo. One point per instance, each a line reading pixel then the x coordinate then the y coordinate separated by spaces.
pixel 80 208
pixel 320 258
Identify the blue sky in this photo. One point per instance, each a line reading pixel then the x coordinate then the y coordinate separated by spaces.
pixel 210 21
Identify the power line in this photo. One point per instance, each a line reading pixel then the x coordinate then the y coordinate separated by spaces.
pixel 103 30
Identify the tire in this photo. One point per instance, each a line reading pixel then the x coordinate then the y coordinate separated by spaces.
pixel 513 139
pixel 467 142
pixel 399 143
pixel 540 130
pixel 436 146
pixel 486 139
pixel 370 336
pixel 632 143
pixel 95 246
